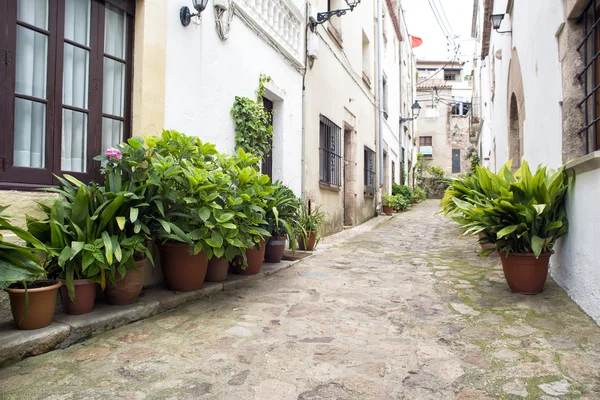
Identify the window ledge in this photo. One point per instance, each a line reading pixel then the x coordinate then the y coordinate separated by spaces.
pixel 335 34
pixel 586 163
pixel 328 186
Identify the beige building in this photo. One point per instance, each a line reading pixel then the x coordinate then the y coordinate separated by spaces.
pixel 342 153
pixel 444 93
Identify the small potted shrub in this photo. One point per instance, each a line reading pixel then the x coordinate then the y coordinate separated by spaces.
pixel 250 214
pixel 282 218
pixel 389 201
pixel 522 215
pixel 124 172
pixel 310 222
pixel 32 301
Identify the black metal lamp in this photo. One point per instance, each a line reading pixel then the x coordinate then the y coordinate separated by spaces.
pixel 496 20
pixel 185 16
pixel 323 17
pixel 416 110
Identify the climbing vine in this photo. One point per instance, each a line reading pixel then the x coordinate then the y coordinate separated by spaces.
pixel 473 156
pixel 253 128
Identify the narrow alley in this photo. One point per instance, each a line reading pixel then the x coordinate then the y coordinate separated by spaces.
pixel 405 311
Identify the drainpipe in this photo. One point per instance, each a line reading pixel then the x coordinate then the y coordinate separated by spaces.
pixel 380 91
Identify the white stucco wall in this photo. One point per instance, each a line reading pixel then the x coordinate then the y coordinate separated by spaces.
pixel 575 265
pixel 204 74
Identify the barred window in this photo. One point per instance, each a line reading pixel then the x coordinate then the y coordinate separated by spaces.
pixel 590 76
pixel 369 171
pixel 330 158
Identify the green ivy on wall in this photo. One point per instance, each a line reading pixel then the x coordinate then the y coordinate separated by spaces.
pixel 254 132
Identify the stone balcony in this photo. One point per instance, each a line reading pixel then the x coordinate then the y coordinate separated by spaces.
pixel 280 21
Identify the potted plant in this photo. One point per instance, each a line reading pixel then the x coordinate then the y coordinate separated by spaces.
pixel 522 215
pixel 282 219
pixel 189 222
pixel 389 201
pixel 126 170
pixel 32 301
pixel 254 189
pixel 85 249
pixel 311 220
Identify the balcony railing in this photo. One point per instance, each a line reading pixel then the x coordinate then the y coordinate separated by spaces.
pixel 280 21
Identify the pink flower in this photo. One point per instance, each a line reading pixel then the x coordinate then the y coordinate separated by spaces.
pixel 113 153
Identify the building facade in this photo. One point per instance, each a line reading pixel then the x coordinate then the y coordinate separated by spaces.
pixel 444 92
pixel 537 101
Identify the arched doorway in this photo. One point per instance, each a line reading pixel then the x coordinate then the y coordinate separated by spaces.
pixel 514 134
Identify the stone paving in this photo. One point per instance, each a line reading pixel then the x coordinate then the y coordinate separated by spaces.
pixel 406 311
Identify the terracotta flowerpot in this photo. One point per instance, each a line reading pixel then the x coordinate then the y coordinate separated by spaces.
pixel 85 297
pixel 524 273
pixel 42 303
pixel 217 270
pixel 255 260
pixel 183 272
pixel 275 249
pixel 128 288
pixel 312 239
pixel 388 210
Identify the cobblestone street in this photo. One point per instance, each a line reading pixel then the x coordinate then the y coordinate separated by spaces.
pixel 405 311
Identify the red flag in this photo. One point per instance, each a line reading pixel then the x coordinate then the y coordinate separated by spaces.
pixel 415 41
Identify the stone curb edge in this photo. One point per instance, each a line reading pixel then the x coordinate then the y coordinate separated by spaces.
pixel 67 330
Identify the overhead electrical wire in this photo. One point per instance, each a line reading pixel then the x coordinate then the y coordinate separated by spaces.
pixel 442 68
pixel 445 31
pixel 446 18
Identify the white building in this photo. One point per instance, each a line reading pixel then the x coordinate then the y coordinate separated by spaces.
pixel 204 73
pixel 535 90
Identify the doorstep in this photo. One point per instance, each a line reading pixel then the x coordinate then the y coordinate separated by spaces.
pixel 66 330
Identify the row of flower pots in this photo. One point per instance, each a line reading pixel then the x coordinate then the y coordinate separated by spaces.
pixel 182 273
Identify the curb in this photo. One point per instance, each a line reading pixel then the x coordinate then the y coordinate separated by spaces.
pixel 67 330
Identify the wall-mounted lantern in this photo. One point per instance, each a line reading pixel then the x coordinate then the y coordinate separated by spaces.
pixel 496 20
pixel 323 17
pixel 416 110
pixel 185 16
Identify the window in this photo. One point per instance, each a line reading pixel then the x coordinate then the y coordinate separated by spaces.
pixel 393 172
pixel 449 77
pixel 590 76
pixel 402 162
pixel 366 58
pixel 369 171
pixel 461 109
pixel 385 97
pixel 329 152
pixel 65 87
pixel 267 161
pixel 426 146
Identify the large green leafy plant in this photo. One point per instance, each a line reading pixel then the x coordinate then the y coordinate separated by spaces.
pixel 521 212
pixel 86 230
pixel 19 263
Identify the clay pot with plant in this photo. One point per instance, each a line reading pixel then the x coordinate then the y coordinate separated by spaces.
pixel 388 202
pixel 312 223
pixel 282 218
pixel 521 215
pixel 32 300
pixel 251 191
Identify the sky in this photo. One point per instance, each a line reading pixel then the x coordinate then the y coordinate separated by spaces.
pixel 422 23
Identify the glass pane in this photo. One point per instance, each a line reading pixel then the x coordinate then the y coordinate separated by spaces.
pixel 30 134
pixel 33 12
pixel 32 56
pixel 77 21
pixel 74 141
pixel 75 76
pixel 115 30
pixel 112 133
pixel 114 87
